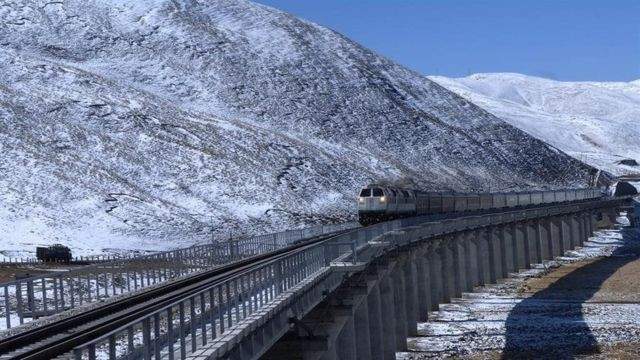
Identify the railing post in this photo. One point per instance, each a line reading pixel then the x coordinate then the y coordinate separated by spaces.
pixel 30 296
pixel 20 308
pixel 279 277
pixel 7 307
pixel 354 253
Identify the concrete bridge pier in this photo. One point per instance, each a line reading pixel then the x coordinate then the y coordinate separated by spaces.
pixel 545 239
pixel 592 222
pixel 448 270
pixel 411 296
pixel 584 225
pixel 506 252
pixel 569 234
pixel 577 229
pixel 537 241
pixel 520 250
pixel 424 283
pixel 387 310
pixel 484 254
pixel 473 267
pixel 522 238
pixel 435 272
pixel 495 254
pixel 459 271
pixel 529 244
pixel 376 326
pixel 570 231
pixel 358 321
pixel 362 331
pixel 346 345
pixel 400 309
pixel 554 238
pixel 561 235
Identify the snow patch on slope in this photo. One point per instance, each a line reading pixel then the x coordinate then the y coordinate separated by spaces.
pixel 596 122
pixel 160 123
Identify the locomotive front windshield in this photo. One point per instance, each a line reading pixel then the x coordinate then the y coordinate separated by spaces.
pixel 371 192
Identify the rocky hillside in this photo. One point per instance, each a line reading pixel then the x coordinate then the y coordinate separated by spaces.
pixel 595 122
pixel 156 123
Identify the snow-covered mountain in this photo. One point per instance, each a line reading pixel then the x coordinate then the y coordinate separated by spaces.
pixel 596 122
pixel 155 123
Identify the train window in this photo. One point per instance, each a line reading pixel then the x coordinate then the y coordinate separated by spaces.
pixel 393 192
pixel 365 193
pixel 377 192
pixel 405 193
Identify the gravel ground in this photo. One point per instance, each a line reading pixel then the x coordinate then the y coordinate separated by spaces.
pixel 583 305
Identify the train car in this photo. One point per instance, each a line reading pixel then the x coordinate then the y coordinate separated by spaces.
pixel 548 197
pixel 54 253
pixel 511 200
pixel 382 202
pixel 524 199
pixel 379 203
pixel 435 203
pixel 460 203
pixel 473 202
pixel 499 201
pixel 486 201
pixel 536 198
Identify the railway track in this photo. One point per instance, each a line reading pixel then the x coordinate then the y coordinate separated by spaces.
pixel 62 336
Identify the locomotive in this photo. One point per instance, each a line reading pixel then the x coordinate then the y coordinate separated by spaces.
pixel 54 253
pixel 378 203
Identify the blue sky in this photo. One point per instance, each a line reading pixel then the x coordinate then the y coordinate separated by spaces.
pixel 564 40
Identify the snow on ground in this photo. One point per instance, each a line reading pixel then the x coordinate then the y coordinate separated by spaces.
pixel 588 298
pixel 154 124
pixel 596 122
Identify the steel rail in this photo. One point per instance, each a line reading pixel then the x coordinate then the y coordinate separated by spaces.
pixel 108 317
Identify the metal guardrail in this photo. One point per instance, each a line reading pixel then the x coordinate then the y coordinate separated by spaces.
pixel 11 261
pixel 48 294
pixel 189 323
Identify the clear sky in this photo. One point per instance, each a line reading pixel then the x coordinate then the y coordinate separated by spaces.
pixel 564 40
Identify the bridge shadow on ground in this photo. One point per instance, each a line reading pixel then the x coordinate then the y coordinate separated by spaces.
pixel 550 324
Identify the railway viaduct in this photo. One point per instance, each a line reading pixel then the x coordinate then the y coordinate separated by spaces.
pixel 365 306
pixel 351 294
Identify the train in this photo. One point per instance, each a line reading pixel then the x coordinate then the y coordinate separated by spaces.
pixel 54 253
pixel 378 203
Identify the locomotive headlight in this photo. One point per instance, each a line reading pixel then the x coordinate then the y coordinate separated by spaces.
pixel 361 199
pixel 383 199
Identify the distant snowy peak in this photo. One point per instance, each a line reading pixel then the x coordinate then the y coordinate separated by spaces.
pixel 597 122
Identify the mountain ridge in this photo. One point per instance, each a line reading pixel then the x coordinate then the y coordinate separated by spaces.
pixel 221 119
pixel 596 122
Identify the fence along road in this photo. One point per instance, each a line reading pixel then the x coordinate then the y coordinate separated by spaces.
pixel 48 294
pixel 78 260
